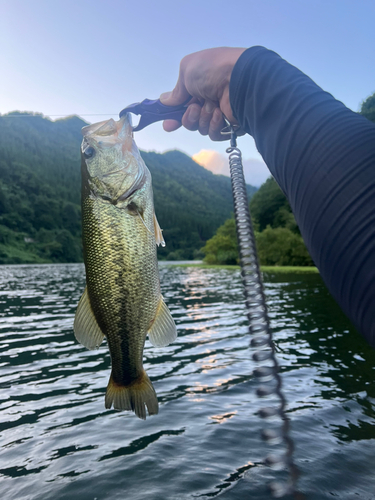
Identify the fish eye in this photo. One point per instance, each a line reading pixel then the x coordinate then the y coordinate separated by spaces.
pixel 89 152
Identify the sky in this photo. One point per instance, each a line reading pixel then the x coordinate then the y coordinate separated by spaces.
pixel 94 57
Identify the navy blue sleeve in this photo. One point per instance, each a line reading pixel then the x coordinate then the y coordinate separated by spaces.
pixel 323 157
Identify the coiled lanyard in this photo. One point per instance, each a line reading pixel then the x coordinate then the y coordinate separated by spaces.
pixel 267 371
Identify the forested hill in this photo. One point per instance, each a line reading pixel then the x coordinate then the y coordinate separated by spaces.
pixel 190 202
pixel 40 194
pixel 277 235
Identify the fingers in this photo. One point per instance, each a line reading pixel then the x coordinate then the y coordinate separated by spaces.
pixel 203 112
pixel 190 120
pixel 207 119
pixel 199 117
pixel 171 125
pixel 204 76
pixel 206 114
pixel 217 124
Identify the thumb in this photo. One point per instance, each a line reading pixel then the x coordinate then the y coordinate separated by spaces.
pixel 179 95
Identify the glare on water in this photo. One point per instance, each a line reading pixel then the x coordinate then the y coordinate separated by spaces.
pixel 58 441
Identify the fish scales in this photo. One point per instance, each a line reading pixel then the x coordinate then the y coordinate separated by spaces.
pixel 122 300
pixel 124 288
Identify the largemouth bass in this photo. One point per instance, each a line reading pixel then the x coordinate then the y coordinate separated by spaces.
pixel 122 300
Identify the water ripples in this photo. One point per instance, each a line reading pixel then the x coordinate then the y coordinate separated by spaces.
pixel 58 441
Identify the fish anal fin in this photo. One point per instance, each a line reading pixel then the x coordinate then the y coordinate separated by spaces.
pixel 163 329
pixel 86 328
pixel 158 233
pixel 133 397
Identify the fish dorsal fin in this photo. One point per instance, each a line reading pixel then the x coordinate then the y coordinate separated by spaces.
pixel 86 329
pixel 158 233
pixel 163 330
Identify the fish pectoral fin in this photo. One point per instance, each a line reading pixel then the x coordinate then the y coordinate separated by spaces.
pixel 86 328
pixel 163 329
pixel 142 219
pixel 158 233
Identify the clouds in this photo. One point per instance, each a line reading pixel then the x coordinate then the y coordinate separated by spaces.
pixel 212 161
pixel 256 171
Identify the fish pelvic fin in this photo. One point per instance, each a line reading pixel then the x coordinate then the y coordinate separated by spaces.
pixel 133 397
pixel 158 233
pixel 163 329
pixel 86 328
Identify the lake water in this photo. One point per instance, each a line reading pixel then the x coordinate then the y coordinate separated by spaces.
pixel 59 442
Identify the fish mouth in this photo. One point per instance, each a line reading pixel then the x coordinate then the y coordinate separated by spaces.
pixel 125 167
pixel 104 128
pixel 108 128
pixel 109 133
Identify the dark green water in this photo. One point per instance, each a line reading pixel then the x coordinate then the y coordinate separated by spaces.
pixel 58 441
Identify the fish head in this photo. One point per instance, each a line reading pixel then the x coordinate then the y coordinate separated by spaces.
pixel 111 161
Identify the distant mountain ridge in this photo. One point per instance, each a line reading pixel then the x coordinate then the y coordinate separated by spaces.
pixel 40 193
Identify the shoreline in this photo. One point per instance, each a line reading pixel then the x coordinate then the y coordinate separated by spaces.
pixel 266 269
pixel 186 264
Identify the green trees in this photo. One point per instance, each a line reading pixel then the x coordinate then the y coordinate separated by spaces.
pixel 368 108
pixel 40 200
pixel 40 213
pixel 190 203
pixel 277 235
pixel 269 207
pixel 222 248
pixel 39 189
pixel 281 247
pixel 278 239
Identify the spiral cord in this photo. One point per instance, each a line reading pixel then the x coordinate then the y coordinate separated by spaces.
pixel 267 370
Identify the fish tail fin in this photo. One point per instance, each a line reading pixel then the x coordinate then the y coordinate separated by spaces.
pixel 134 397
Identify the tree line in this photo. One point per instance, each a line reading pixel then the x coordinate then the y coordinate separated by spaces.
pixel 40 212
pixel 278 239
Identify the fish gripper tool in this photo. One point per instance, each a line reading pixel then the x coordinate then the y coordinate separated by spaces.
pixel 267 372
pixel 152 111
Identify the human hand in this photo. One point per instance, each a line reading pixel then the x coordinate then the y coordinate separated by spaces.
pixel 204 76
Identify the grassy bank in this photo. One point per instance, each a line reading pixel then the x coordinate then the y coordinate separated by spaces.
pixel 289 269
pixel 268 269
pixel 13 255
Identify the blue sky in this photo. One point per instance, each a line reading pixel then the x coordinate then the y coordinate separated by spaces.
pixel 87 57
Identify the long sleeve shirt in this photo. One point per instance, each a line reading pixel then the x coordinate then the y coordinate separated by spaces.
pixel 323 157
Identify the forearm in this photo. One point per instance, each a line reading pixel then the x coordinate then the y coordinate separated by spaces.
pixel 323 157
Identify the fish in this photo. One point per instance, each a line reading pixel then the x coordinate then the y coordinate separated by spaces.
pixel 122 300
